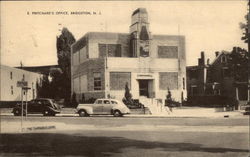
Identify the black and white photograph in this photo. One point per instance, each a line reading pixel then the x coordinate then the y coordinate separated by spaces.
pixel 125 78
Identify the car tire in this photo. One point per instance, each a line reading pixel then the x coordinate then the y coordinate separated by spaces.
pixel 83 113
pixel 117 113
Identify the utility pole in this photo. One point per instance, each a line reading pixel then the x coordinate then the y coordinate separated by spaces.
pixel 248 42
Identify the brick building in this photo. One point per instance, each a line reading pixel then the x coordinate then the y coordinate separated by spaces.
pixel 102 63
pixel 215 80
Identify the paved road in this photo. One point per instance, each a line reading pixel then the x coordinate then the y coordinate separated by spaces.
pixel 110 136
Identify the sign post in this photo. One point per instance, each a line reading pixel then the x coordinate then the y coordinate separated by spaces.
pixel 22 110
pixel 22 84
pixel 26 104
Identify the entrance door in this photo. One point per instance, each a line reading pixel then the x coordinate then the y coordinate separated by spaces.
pixel 143 87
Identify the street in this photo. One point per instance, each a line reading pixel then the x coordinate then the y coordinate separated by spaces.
pixel 124 136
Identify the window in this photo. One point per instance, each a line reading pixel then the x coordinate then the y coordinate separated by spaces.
pixel 168 80
pixel 167 52
pixel 223 59
pixel 194 90
pixel 118 80
pixel 113 102
pixel 242 92
pixel 110 50
pixel 11 88
pixel 83 54
pixel 183 81
pixel 99 102
pixel 225 72
pixel 97 81
pixel 11 75
pixel 193 74
pixel 106 102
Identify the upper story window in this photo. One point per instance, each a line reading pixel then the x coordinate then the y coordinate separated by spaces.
pixel 11 75
pixel 183 82
pixel 223 59
pixel 167 51
pixel 12 91
pixel 225 72
pixel 76 58
pixel 193 74
pixel 97 81
pixel 83 55
pixel 110 50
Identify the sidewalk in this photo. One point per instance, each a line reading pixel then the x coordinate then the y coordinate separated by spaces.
pixel 188 112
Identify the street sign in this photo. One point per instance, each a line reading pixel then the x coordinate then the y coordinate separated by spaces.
pixel 26 88
pixel 22 84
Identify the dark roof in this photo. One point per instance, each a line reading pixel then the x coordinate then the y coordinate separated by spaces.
pixel 39 69
pixel 141 10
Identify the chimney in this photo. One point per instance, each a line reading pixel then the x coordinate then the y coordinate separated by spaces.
pixel 202 59
pixel 216 53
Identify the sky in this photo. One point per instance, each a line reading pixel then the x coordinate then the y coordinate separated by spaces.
pixel 208 26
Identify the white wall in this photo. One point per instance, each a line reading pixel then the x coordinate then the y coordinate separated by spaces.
pixel 17 75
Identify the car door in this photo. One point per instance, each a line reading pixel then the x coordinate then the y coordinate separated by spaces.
pixel 45 105
pixel 107 106
pixel 31 106
pixel 37 106
pixel 97 107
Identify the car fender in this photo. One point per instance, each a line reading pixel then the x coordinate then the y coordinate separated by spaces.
pixel 88 109
pixel 52 109
pixel 122 109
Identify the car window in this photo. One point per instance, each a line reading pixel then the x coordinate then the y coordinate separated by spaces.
pixel 114 102
pixel 37 103
pixel 99 102
pixel 46 103
pixel 32 102
pixel 106 102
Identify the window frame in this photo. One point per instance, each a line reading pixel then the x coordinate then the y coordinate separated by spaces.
pixel 165 56
pixel 97 81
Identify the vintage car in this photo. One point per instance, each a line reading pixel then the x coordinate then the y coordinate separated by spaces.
pixel 103 107
pixel 44 106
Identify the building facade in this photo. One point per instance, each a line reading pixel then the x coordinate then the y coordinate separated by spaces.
pixel 197 77
pixel 215 79
pixel 9 90
pixel 103 63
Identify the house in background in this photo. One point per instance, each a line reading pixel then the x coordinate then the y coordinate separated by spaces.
pixel 196 77
pixel 10 93
pixel 102 63
pixel 215 80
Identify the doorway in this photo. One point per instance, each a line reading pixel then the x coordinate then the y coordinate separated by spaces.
pixel 145 88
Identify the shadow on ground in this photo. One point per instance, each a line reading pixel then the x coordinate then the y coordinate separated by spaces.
pixel 49 144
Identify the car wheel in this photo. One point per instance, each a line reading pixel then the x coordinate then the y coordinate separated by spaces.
pixel 45 113
pixel 117 113
pixel 83 113
pixel 17 113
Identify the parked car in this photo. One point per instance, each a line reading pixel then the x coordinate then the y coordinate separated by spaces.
pixel 103 107
pixel 46 106
pixel 247 110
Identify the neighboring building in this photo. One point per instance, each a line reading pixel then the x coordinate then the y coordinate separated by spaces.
pixel 215 79
pixel 102 63
pixel 9 90
pixel 196 77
